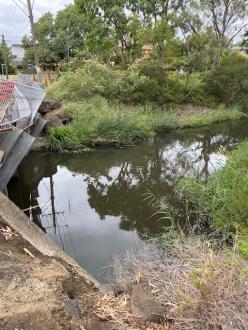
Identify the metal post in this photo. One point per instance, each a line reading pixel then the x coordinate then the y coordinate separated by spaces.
pixel 53 204
pixel 2 74
pixel 36 56
pixel 67 52
pixel 5 56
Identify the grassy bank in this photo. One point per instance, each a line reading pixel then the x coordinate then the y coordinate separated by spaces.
pixel 201 280
pixel 199 287
pixel 222 201
pixel 99 122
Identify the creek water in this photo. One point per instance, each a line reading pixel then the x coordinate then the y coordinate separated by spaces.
pixel 94 204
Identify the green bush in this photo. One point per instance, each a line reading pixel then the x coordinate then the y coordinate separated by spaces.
pixel 158 87
pixel 228 83
pixel 94 79
pixel 147 81
pixel 163 86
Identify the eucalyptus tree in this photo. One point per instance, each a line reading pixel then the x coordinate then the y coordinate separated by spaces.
pixel 245 42
pixel 228 18
pixel 57 36
pixel 156 10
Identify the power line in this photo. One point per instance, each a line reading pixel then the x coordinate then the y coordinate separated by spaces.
pixel 5 56
pixel 20 7
pixel 19 30
pixel 22 2
pixel 22 30
pixel 10 16
pixel 29 7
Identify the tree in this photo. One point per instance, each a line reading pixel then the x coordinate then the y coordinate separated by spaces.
pixel 57 37
pixel 245 42
pixel 45 33
pixel 70 28
pixel 130 24
pixel 201 51
pixel 228 82
pixel 227 17
pixel 4 48
pixel 156 10
pixel 113 18
pixel 28 59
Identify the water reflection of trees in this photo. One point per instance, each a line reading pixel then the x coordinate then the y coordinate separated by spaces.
pixel 117 180
pixel 120 192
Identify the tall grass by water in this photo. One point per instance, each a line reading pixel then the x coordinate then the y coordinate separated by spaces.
pixel 97 121
pixel 222 201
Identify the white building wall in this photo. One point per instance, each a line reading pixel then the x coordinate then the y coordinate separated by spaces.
pixel 18 53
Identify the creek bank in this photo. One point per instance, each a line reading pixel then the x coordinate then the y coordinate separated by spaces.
pixel 42 288
pixel 60 135
pixel 39 292
pixel 202 301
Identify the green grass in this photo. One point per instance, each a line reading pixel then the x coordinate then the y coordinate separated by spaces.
pixel 223 200
pixel 97 121
pixel 221 114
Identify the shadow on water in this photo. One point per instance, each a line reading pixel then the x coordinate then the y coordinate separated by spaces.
pixel 93 204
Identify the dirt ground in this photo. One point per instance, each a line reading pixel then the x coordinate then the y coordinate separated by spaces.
pixel 38 292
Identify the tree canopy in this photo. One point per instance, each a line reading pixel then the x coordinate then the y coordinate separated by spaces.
pixel 189 33
pixel 6 49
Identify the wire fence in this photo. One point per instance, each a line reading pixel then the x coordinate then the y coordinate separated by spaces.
pixel 19 103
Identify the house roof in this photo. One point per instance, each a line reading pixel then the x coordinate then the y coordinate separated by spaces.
pixel 147 47
pixel 16 45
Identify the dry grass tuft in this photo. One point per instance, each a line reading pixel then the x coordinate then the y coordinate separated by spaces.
pixel 117 310
pixel 201 288
pixel 8 233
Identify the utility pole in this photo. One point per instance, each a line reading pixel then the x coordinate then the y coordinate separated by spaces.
pixel 53 204
pixel 5 56
pixel 36 56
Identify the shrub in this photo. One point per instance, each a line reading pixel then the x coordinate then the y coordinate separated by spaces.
pixel 147 81
pixel 164 86
pixel 94 79
pixel 228 83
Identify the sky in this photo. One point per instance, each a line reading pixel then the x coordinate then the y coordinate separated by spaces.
pixel 14 23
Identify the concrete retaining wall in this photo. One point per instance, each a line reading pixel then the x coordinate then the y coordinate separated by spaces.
pixel 13 217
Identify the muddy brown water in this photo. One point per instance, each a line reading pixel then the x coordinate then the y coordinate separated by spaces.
pixel 94 204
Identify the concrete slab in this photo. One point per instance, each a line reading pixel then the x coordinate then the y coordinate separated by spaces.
pixel 12 216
